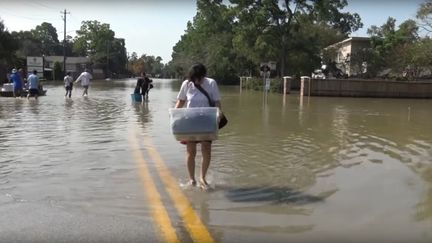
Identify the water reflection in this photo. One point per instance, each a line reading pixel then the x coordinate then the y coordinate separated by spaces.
pixel 142 112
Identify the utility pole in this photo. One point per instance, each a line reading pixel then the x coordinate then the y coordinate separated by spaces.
pixel 107 60
pixel 64 42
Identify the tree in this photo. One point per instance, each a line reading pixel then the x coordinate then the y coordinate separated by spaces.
pixel 208 40
pixel 149 64
pixel 267 30
pixel 8 46
pixel 424 16
pixel 57 71
pixel 46 35
pixel 92 40
pixel 232 40
pixel 98 41
pixel 392 47
pixel 28 45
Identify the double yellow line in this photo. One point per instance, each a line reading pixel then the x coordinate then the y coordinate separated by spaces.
pixel 192 222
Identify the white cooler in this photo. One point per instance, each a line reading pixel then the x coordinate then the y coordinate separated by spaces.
pixel 194 124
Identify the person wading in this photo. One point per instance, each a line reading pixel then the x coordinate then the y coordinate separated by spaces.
pixel 191 96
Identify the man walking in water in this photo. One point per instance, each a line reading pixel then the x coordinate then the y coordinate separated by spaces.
pixel 17 83
pixel 33 85
pixel 85 81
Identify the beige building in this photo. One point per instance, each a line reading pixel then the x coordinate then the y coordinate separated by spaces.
pixel 348 55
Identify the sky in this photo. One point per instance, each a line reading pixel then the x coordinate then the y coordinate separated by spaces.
pixel 153 27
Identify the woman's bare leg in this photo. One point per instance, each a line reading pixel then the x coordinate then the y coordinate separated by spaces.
pixel 206 157
pixel 190 159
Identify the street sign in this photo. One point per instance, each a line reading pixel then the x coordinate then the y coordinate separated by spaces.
pixel 35 61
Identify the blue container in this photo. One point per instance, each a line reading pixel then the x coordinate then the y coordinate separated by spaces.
pixel 136 97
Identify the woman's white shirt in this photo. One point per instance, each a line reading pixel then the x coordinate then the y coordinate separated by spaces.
pixel 194 97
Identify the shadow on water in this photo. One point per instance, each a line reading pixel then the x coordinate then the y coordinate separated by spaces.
pixel 271 194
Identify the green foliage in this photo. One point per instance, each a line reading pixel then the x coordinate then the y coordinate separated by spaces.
pixel 392 48
pixel 424 15
pixel 232 40
pixel 28 45
pixel 267 30
pixel 58 71
pixel 96 40
pixel 149 64
pixel 208 40
pixel 276 84
pixel 8 45
pixel 46 36
pixel 92 40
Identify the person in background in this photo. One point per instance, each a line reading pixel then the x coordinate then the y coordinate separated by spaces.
pixel 143 86
pixel 85 78
pixel 22 76
pixel 147 85
pixel 191 96
pixel 33 85
pixel 17 83
pixel 68 80
pixel 139 85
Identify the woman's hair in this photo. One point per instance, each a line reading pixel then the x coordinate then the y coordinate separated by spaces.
pixel 197 72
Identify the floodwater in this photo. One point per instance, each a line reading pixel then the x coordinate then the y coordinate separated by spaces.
pixel 285 169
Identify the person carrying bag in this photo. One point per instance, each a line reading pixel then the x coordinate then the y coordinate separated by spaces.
pixel 189 97
pixel 223 120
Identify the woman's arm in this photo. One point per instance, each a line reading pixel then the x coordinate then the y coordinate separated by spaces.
pixel 180 103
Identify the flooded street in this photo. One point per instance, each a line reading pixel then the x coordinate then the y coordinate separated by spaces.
pixel 284 169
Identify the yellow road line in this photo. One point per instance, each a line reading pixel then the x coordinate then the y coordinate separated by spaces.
pixel 193 223
pixel 159 213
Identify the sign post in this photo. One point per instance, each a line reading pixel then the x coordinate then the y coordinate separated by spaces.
pixel 265 71
pixel 35 63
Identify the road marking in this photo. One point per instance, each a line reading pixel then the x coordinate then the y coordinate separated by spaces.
pixel 159 213
pixel 197 230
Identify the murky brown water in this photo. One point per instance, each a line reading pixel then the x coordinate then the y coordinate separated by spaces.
pixel 284 169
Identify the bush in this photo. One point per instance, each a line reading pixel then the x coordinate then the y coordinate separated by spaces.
pixel 57 71
pixel 276 84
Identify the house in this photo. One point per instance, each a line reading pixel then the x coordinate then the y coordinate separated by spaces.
pixel 349 55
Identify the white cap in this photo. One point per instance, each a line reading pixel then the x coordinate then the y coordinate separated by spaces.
pixel 14 70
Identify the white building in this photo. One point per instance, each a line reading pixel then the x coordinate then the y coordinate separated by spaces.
pixel 343 54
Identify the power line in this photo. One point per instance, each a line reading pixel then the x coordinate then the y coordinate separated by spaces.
pixel 75 19
pixel 41 5
pixel 8 12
